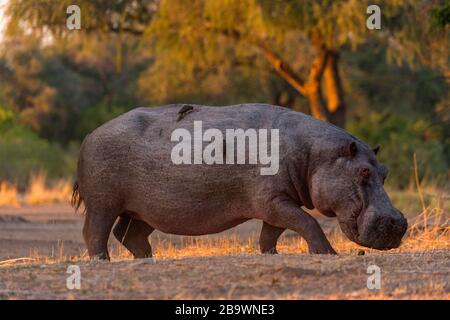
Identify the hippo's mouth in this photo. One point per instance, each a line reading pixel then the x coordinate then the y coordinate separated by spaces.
pixel 372 229
pixel 378 231
pixel 383 232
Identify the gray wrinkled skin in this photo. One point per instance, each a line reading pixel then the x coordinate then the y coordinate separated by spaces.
pixel 125 170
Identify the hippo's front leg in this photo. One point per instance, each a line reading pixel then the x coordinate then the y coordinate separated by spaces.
pixel 286 213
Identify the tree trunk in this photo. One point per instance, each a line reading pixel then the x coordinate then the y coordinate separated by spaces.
pixel 313 90
pixel 336 106
pixel 316 104
pixel 325 65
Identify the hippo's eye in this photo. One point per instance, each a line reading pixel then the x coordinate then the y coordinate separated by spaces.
pixel 365 172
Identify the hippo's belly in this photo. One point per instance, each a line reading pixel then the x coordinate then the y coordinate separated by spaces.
pixel 191 222
pixel 191 200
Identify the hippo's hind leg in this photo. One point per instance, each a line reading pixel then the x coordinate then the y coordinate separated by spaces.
pixel 97 227
pixel 133 234
pixel 269 237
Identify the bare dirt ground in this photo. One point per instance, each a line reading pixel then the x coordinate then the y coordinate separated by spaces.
pixel 223 266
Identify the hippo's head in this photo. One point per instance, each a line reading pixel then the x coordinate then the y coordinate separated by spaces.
pixel 349 185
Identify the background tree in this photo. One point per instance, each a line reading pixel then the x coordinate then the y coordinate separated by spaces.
pixel 193 36
pixel 51 86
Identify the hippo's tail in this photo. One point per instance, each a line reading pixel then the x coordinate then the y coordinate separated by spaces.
pixel 76 200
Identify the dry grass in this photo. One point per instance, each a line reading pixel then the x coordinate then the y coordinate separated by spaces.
pixel 39 191
pixel 428 233
pixel 435 237
pixel 228 267
pixel 430 230
pixel 403 276
pixel 229 270
pixel 9 196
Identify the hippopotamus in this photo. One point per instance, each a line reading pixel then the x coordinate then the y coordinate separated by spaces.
pixel 126 173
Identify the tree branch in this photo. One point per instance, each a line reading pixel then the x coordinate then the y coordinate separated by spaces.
pixel 283 69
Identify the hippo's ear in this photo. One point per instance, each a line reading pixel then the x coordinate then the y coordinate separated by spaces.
pixel 376 149
pixel 349 150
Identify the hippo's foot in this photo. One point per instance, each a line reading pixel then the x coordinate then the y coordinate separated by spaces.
pixel 104 256
pixel 272 250
pixel 143 255
pixel 316 250
pixel 320 245
pixel 269 237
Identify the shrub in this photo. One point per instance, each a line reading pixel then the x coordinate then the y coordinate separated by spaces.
pixel 400 138
pixel 93 117
pixel 22 152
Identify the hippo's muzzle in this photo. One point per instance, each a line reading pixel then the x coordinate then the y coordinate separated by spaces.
pixel 382 231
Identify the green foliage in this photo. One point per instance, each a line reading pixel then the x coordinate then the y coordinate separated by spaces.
pixel 23 153
pixel 98 15
pixel 7 120
pixel 49 86
pixel 440 16
pixel 91 118
pixel 192 39
pixel 403 109
pixel 399 139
